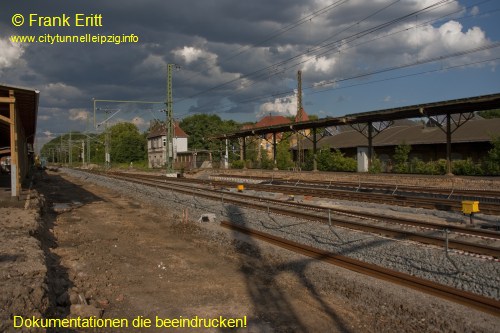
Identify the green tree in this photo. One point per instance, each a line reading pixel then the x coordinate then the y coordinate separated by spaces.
pixel 491 164
pixel 127 144
pixel 400 157
pixel 283 155
pixel 52 149
pixel 201 128
pixel 323 159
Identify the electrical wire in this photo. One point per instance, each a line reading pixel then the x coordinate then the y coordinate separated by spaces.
pixel 321 47
pixel 375 72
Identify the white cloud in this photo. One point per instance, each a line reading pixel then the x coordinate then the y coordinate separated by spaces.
pixel 59 94
pixel 153 61
pixel 287 106
pixel 320 64
pixel 9 53
pixel 190 54
pixel 78 114
pixel 474 11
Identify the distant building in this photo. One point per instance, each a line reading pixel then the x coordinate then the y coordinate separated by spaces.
pixel 428 142
pixel 266 141
pixel 157 139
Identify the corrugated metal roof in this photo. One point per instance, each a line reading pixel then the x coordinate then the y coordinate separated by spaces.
pixel 463 105
pixel 27 105
pixel 480 130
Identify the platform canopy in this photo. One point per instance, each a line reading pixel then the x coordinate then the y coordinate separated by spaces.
pixel 463 105
pixel 18 116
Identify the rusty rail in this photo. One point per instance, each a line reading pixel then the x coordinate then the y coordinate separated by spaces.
pixel 478 302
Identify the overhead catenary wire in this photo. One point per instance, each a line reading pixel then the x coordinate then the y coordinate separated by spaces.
pixel 283 94
pixel 303 61
pixel 241 50
pixel 321 47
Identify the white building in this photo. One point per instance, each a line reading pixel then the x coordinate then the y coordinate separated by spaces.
pixel 157 139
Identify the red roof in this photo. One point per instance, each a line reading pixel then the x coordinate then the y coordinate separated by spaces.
pixel 272 121
pixel 160 130
pixel 304 117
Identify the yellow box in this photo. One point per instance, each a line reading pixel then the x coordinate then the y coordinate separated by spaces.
pixel 240 188
pixel 469 207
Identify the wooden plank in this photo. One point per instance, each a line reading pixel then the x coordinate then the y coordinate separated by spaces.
pixel 5 119
pixel 9 100
pixel 15 186
pixel 5 151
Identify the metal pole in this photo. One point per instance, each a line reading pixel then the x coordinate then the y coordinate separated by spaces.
pixel 370 144
pixel 61 151
pixel 448 144
pixel 226 158
pixel 274 152
pixel 315 151
pixel 70 148
pixel 170 124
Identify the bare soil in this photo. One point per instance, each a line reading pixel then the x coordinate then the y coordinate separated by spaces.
pixel 103 253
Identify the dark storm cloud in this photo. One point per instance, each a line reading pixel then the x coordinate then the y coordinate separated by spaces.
pixel 199 36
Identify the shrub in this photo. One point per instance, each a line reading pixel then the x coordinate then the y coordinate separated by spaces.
pixel 341 163
pixel 375 166
pixel 466 168
pixel 401 158
pixel 427 168
pixel 491 165
pixel 335 161
pixel 238 164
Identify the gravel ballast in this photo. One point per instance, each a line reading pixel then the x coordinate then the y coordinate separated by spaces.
pixel 469 273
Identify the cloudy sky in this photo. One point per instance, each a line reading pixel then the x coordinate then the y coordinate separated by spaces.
pixel 239 59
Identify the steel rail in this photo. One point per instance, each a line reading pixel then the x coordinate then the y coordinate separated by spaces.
pixel 478 302
pixel 392 198
pixel 244 200
pixel 428 190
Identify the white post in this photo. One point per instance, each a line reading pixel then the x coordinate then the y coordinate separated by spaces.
pixel 226 158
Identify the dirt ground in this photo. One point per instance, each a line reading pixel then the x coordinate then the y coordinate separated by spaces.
pixel 101 253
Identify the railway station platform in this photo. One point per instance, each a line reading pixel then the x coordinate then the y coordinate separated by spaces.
pixel 6 198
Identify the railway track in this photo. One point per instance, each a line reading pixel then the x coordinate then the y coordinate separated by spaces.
pixel 443 192
pixel 367 222
pixel 418 197
pixel 481 303
pixel 400 196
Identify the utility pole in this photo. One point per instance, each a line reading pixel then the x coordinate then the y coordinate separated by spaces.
pixel 300 152
pixel 107 156
pixel 88 149
pixel 226 158
pixel 107 138
pixel 61 151
pixel 169 103
pixel 70 150
pixel 83 153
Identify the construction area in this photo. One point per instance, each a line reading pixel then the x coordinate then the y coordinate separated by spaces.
pixel 90 247
pixel 87 251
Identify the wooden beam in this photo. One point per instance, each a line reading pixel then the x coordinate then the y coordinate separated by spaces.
pixel 15 185
pixel 4 151
pixel 9 100
pixel 5 119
